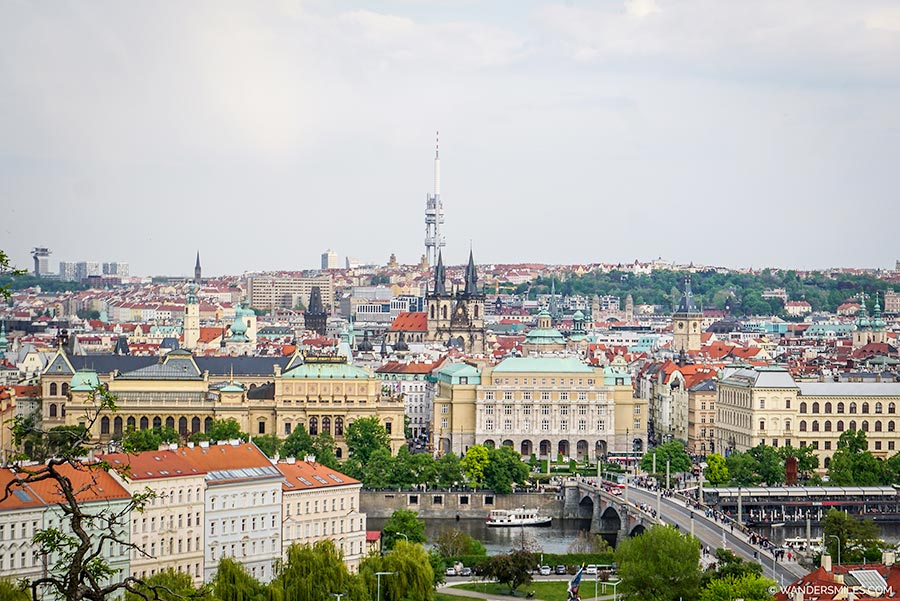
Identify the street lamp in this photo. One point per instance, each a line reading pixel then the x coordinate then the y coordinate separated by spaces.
pixel 378 576
pixel 836 537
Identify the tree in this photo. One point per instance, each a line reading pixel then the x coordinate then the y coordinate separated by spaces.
pixel 504 468
pixel 453 542
pixel 448 470
pixel 474 464
pixel 858 538
pixel 377 472
pixel 8 271
pixel 269 444
pixel 807 461
pixel 716 472
pixel 13 592
pixel 853 464
pixel 413 578
pixel 323 449
pixel 587 542
pixel 512 569
pixel 314 572
pixel 673 451
pixel 660 564
pixel 298 443
pixel 748 587
pixel 729 565
pixel 234 583
pixel 742 469
pixel 769 464
pixel 169 585
pixel 136 441
pixel 364 436
pixel 226 429
pixel 77 566
pixel 406 522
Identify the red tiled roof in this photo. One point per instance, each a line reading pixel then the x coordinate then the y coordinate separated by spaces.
pixel 151 465
pixel 410 322
pixel 302 475
pixel 416 367
pixel 372 535
pixel 89 484
pixel 207 335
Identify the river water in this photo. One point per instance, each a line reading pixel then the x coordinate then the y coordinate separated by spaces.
pixel 553 539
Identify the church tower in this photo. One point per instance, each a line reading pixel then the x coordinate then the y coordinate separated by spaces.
pixel 456 319
pixel 686 322
pixel 315 318
pixel 197 271
pixel 191 324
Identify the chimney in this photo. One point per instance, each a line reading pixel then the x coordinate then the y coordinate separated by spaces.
pixel 291 460
pixel 839 579
pixel 826 562
pixel 204 444
pixel 888 558
pixel 173 446
pixel 277 370
pixel 190 445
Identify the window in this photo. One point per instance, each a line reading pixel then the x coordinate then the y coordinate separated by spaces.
pixel 828 407
pixel 803 407
pixel 507 424
pixel 508 395
pixel 545 409
pixel 762 403
pixel 564 410
pixel 287 428
pixel 878 425
pixel 545 396
pixel 815 425
pixel 865 425
pixel 828 425
pixel 526 410
pixel 564 396
pixel 803 425
pixel 582 396
pixel 840 407
pixel 526 396
pixel 891 426
pixel 892 408
pixel 582 409
pixel 815 407
pixel 762 424
pixel 489 424
pixel 445 409
pixel 852 425
pixel 489 395
pixel 262 427
pixel 489 410
pixel 827 445
pixel 877 445
pixel 787 405
pixel 507 410
pixel 564 424
pixel 852 407
pixel 879 408
pixel 865 407
pixel 787 425
pixel 545 424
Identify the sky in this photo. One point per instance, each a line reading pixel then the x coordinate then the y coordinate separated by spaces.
pixel 742 134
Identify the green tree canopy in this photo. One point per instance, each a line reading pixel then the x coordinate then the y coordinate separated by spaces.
pixel 660 564
pixel 716 472
pixel 807 461
pixel 234 583
pixel 364 436
pixel 474 464
pixel 452 542
pixel 227 429
pixel 298 443
pixel 858 538
pixel 674 452
pixel 413 577
pixel 403 521
pixel 504 468
pixel 269 444
pixel 314 573
pixel 512 569
pixel 448 470
pixel 169 585
pixel 748 587
pixel 852 464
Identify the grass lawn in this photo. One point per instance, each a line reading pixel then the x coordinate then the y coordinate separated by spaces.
pixel 447 597
pixel 546 591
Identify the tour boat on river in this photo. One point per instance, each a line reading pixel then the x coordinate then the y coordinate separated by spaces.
pixel 517 517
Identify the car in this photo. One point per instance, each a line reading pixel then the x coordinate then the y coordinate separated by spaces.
pixel 545 570
pixel 450 572
pixel 590 570
pixel 561 569
pixel 465 572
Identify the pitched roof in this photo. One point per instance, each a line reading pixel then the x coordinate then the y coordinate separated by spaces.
pixel 410 322
pixel 303 475
pixel 230 463
pixel 542 365
pixel 414 367
pixel 152 465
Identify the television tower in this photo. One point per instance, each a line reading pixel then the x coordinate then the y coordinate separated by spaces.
pixel 434 211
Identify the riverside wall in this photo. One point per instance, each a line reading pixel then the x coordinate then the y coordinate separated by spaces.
pixel 446 504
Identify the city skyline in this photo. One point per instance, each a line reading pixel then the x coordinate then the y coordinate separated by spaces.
pixel 759 135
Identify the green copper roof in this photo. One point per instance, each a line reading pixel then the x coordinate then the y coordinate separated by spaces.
pixel 569 365
pixel 544 336
pixel 84 381
pixel 454 371
pixel 232 387
pixel 325 371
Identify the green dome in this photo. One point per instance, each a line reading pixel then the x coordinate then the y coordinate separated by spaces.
pixel 579 316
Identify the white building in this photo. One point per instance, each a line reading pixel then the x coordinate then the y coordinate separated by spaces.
pixel 409 378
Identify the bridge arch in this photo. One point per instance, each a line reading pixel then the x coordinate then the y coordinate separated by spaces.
pixel 638 529
pixel 586 508
pixel 610 520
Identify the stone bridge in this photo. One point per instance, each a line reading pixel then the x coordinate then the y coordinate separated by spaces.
pixel 609 514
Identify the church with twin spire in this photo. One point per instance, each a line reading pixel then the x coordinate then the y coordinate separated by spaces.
pixel 456 317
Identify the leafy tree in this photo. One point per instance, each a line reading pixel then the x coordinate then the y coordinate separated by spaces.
pixel 437 567
pixel 10 591
pixel 588 542
pixel 8 272
pixel 314 572
pixel 136 441
pixel 807 461
pixel 227 429
pixel 298 443
pixel 413 578
pixel 77 567
pixel 452 542
pixel 448 470
pixel 858 538
pixel 673 451
pixel 169 585
pixel 364 436
pixel 504 468
pixel 716 472
pixel 269 444
pixel 424 468
pixel 323 449
pixel 660 564
pixel 853 464
pixel 403 476
pixel 406 522
pixel 742 469
pixel 234 583
pixel 512 569
pixel 474 464
pixel 729 565
pixel 769 464
pixel 377 472
pixel 38 445
pixel 748 587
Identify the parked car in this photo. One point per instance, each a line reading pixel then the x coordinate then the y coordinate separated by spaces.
pixel 561 569
pixel 591 570
pixel 465 572
pixel 450 572
pixel 545 570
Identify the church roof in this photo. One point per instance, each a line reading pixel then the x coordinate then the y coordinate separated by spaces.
pixel 544 336
pixel 410 322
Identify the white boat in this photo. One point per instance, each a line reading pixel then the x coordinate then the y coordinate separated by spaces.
pixel 517 517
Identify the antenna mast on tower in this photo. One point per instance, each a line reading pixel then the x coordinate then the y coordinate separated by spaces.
pixel 434 211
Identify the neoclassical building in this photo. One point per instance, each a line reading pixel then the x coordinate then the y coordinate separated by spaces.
pixel 322 393
pixel 545 406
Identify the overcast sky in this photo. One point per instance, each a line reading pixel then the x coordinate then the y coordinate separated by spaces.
pixel 763 133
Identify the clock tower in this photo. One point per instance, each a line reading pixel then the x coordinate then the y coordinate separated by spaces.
pixel 687 322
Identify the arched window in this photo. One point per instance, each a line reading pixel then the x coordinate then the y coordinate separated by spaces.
pixel 828 407
pixel 326 425
pixel 815 425
pixel 195 424
pixel 145 423
pixel 475 311
pixel 890 425
pixel 182 425
pixel 879 408
pixel 815 407
pixel 313 426
pixel 157 422
pixel 207 424
pixel 62 410
pixel 827 462
pixel 129 423
pixel 52 409
pixel 170 422
pixel 892 408
pixel 65 389
pixel 865 407
pixel 444 312
pixel 840 425
pixel 828 425
pixel 432 312
pixel 53 388
pixel 339 426
pixel 803 407
pixel 852 407
pixel 865 425
pixel 852 425
pixel 104 425
pixel 803 425
pixel 878 425
pixel 338 452
pixel 840 408
pixel 117 426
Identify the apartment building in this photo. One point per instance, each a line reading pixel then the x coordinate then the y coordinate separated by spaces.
pixel 274 291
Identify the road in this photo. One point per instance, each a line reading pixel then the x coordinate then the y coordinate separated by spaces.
pixel 714 533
